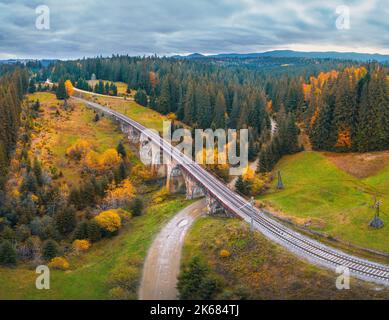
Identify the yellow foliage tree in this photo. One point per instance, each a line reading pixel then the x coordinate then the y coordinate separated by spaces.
pixel 110 159
pixel 92 160
pixel 142 172
pixel 79 149
pixel 69 88
pixel 109 220
pixel 59 263
pixel 81 245
pixel 248 173
pixel 117 195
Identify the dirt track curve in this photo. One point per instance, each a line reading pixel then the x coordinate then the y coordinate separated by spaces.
pixel 162 264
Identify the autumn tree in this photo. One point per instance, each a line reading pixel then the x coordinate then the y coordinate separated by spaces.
pixel 109 221
pixel 69 88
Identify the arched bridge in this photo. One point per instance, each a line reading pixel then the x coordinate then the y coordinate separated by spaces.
pixel 199 182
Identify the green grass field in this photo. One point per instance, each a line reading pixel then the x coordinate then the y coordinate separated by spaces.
pixel 327 199
pixel 90 272
pixel 259 269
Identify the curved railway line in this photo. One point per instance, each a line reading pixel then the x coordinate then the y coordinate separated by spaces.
pixel 299 244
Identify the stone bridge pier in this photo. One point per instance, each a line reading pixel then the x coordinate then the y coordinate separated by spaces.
pixel 145 150
pixel 213 206
pixel 133 135
pixel 178 181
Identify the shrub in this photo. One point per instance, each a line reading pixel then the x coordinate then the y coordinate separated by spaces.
pixel 124 282
pixel 109 221
pixel 161 195
pixel 93 231
pixel 81 245
pixel 136 207
pixel 59 263
pixel 7 254
pixel 118 293
pixel 119 195
pixel 81 231
pixel 110 159
pixel 224 253
pixel 196 283
pixel 79 149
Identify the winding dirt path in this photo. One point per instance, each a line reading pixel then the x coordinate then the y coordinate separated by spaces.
pixel 162 264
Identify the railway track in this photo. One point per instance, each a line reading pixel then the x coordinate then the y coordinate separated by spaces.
pixel 299 244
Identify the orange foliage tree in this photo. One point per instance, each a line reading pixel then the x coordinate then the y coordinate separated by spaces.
pixel 344 139
pixel 69 88
pixel 81 245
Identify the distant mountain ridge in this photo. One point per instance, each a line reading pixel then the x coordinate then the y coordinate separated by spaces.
pixel 296 54
pixel 45 62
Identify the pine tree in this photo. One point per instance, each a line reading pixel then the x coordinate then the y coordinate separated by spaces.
pixel 93 231
pixel 220 111
pixel 50 249
pixel 31 86
pixel 141 97
pixel 137 207
pixel 7 254
pixel 239 185
pixel 66 220
pixel 121 150
pixel 203 107
pixel 61 90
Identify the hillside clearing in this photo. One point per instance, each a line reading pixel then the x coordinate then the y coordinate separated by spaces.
pixel 324 198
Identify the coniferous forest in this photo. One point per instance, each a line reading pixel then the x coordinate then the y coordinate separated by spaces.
pixel 343 105
pixel 13 86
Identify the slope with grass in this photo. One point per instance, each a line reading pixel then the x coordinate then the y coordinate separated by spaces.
pixel 145 116
pixel 57 129
pixel 319 195
pixel 110 270
pixel 249 266
pixel 112 267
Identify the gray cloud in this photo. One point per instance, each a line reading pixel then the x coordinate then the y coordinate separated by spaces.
pixel 93 27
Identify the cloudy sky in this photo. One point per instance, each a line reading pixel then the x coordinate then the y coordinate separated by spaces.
pixel 92 27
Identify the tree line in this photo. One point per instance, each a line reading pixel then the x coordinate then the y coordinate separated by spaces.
pixel 13 85
pixel 349 110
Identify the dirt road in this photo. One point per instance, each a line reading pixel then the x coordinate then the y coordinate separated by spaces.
pixel 162 263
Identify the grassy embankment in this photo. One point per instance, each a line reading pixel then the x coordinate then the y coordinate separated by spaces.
pixel 109 261
pixel 321 195
pixel 260 269
pixel 92 273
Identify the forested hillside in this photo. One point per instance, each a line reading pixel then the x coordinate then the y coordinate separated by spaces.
pixel 13 85
pixel 349 110
pixel 342 105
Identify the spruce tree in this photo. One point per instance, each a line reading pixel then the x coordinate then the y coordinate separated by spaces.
pixel 220 111
pixel 66 220
pixel 7 254
pixel 50 249
pixel 61 92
